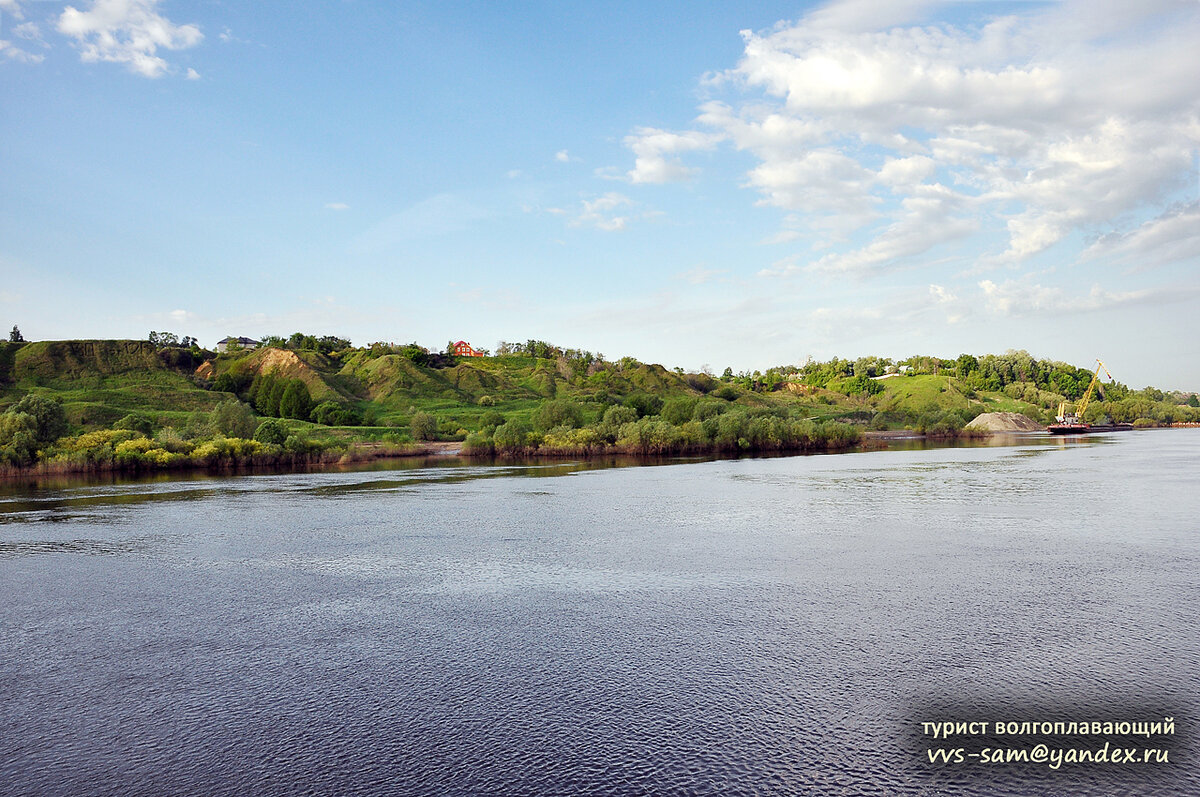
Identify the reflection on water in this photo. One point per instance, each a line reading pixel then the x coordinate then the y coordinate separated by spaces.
pixel 750 626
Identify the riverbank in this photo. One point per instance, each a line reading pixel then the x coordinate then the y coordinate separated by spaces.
pixel 227 455
pixel 268 460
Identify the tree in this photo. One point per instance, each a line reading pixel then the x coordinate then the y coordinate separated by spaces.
pixel 18 438
pixel 511 437
pixel 325 413
pixel 232 418
pixel 162 339
pixel 15 336
pixel 559 412
pixel 49 419
pixel 135 423
pixel 296 401
pixel 260 393
pixel 423 426
pixel 271 431
pixel 645 403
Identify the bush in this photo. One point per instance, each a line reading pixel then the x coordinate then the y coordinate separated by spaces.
pixel 330 413
pixel 232 418
pixel 729 393
pixel 172 441
pixel 423 426
pixel 295 401
pixel 478 444
pixel 678 411
pixel 226 450
pixel 324 412
pixel 511 437
pixel 229 382
pixel 299 444
pixel 18 438
pixel 198 425
pixel 708 409
pixel 491 419
pixel 50 422
pixel 559 412
pixel 567 440
pixel 272 431
pixel 646 404
pixel 648 436
pixel 861 384
pixel 135 423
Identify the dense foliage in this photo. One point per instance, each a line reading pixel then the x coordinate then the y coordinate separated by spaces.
pixel 161 403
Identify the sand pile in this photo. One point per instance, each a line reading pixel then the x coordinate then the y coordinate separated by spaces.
pixel 1005 422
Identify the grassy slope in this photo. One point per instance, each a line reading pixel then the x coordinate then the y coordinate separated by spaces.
pixel 939 393
pixel 101 381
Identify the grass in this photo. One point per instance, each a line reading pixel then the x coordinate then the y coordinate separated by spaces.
pixel 100 382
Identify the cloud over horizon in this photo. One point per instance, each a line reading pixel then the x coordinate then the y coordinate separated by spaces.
pixel 887 140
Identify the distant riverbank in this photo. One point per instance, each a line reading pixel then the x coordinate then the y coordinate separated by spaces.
pixel 240 458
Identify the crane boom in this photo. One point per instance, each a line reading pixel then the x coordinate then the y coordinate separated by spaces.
pixel 1087 396
pixel 1073 423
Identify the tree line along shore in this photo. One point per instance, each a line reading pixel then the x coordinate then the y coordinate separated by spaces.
pixel 123 405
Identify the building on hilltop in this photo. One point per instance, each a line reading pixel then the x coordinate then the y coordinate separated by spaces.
pixel 463 349
pixel 240 343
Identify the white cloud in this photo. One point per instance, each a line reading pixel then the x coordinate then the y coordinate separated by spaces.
pixel 336 206
pixel 1023 297
pixel 655 152
pixel 14 53
pixel 601 213
pixel 28 31
pixel 1172 237
pixel 932 217
pixel 192 74
pixel 699 275
pixel 905 173
pixel 126 32
pixel 1047 121
pixel 562 156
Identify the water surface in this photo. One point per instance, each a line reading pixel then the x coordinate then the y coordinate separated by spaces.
pixel 753 626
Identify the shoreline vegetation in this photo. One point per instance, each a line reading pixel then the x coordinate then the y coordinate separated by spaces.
pixel 112 406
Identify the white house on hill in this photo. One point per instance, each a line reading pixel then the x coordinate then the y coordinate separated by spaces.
pixel 241 343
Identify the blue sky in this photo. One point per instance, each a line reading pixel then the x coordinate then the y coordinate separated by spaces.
pixel 685 183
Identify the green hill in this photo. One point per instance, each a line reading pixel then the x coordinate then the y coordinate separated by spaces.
pixel 391 392
pixel 101 381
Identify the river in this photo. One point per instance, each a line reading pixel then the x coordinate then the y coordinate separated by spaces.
pixel 774 626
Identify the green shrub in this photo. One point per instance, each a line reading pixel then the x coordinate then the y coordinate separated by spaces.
pixel 512 437
pixel 558 412
pixel 272 431
pixel 491 419
pixel 296 401
pixel 135 423
pixel 50 421
pixel 424 426
pixel 18 438
pixel 478 444
pixel 729 393
pixel 678 411
pixel 232 418
pixel 646 404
